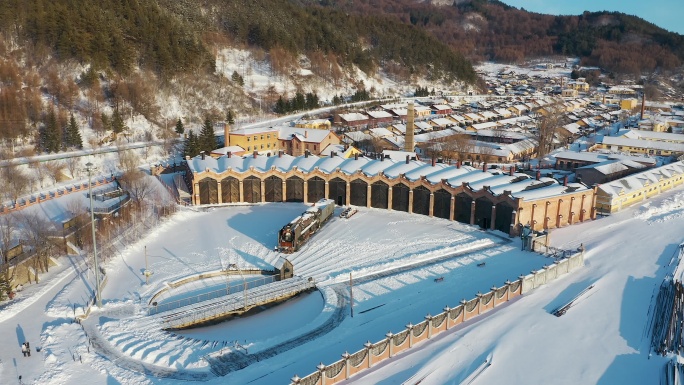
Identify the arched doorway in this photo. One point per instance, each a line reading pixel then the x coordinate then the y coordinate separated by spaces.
pixel 421 200
pixel 273 189
pixel 400 197
pixel 462 207
pixel 442 205
pixel 251 187
pixel 230 190
pixel 338 191
pixel 208 191
pixel 316 187
pixel 379 195
pixel 483 212
pixel 295 189
pixel 358 194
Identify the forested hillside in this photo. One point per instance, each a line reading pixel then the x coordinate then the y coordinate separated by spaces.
pixel 491 30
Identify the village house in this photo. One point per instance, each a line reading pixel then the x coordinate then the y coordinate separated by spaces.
pixel 641 146
pixel 352 119
pixel 616 195
pixel 296 141
pixel 322 124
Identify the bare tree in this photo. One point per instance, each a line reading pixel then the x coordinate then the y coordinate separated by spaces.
pixel 487 153
pixel 54 169
pixel 137 184
pixel 546 127
pixel 14 182
pixel 458 146
pixel 36 232
pixel 72 164
pixel 128 160
pixel 38 170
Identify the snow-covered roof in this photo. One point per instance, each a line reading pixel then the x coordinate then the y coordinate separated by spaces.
pixel 636 182
pixel 643 143
pixel 599 157
pixel 357 136
pixel 442 122
pixel 310 135
pixel 653 135
pixel 380 132
pixel 485 125
pixel 353 116
pixel 379 114
pixel 392 168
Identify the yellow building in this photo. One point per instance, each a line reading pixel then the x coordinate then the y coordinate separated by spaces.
pixel 252 139
pixel 628 104
pixel 641 146
pixel 320 124
pixel 569 93
pixel 618 194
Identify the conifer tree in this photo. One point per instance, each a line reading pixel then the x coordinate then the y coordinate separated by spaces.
pixel 191 147
pixel 207 140
pixel 50 138
pixel 73 134
pixel 230 117
pixel 281 106
pixel 180 129
pixel 118 125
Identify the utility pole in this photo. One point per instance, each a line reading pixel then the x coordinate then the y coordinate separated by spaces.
pixel 351 295
pixel 98 297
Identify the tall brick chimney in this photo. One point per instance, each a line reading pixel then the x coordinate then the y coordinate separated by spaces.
pixel 643 105
pixel 409 142
pixel 202 154
pixel 226 138
pixel 538 175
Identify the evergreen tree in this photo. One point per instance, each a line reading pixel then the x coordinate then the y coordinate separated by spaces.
pixel 230 117
pixel 50 138
pixel 191 147
pixel 298 102
pixel 180 129
pixel 281 106
pixel 106 122
pixel 118 125
pixel 311 101
pixel 237 78
pixel 207 139
pixel 73 134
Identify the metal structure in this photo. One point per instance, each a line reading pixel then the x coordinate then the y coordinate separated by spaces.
pixel 233 303
pixel 98 296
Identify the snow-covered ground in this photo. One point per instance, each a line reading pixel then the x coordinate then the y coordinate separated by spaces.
pixel 393 258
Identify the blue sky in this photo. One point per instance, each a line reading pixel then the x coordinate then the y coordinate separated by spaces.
pixel 667 14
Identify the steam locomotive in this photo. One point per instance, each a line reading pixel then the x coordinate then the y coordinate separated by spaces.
pixel 294 234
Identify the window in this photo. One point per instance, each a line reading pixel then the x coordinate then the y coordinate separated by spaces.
pixel 262 137
pixel 249 148
pixel 248 138
pixel 268 145
pixel 262 146
pixel 255 137
pixel 268 136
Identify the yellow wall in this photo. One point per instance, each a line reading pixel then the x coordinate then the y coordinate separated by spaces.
pixel 628 104
pixel 614 204
pixel 259 141
pixel 321 125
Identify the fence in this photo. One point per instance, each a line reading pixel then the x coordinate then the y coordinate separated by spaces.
pixel 232 289
pixel 393 344
pixel 239 302
pixel 24 202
